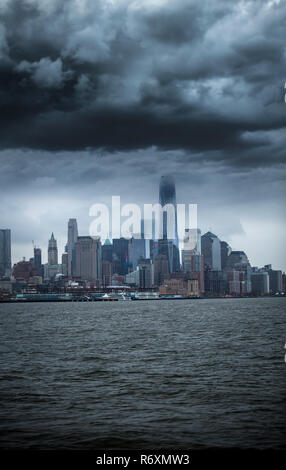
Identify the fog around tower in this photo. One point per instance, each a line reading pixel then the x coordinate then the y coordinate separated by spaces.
pixel 101 98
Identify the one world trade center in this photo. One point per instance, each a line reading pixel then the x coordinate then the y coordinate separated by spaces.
pixel 169 245
pixel 167 195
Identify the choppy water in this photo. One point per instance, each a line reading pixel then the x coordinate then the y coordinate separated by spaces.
pixel 151 374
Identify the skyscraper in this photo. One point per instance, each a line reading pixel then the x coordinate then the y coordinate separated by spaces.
pixel 88 258
pixel 161 269
pixel 169 244
pixel 260 283
pixel 120 256
pixel 146 273
pixel 137 249
pixel 275 279
pixel 65 263
pixel 211 251
pixel 238 260
pixel 38 260
pixel 72 238
pixel 192 259
pixel 107 251
pixel 165 247
pixel 167 195
pixel 225 251
pixel 5 252
pixel 52 251
pixel 106 268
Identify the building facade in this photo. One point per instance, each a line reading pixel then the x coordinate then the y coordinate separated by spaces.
pixel 72 239
pixel 38 260
pixel 260 283
pixel 106 273
pixel 88 259
pixel 238 261
pixel 225 251
pixel 52 251
pixel 5 252
pixel 120 256
pixel 65 264
pixel 146 273
pixel 137 250
pixel 211 249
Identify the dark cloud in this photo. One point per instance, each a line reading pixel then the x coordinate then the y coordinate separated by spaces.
pixel 127 75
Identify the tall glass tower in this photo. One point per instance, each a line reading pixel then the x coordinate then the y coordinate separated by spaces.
pixel 167 195
pixel 72 239
pixel 5 252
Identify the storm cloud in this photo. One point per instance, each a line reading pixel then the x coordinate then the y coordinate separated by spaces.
pixel 124 75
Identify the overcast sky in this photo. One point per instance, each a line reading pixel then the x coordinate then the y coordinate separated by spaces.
pixel 102 97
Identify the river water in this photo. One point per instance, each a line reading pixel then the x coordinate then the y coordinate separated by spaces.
pixel 185 374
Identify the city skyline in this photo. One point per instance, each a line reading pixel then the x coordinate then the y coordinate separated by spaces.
pixel 166 194
pixel 62 242
pixel 27 252
pixel 149 257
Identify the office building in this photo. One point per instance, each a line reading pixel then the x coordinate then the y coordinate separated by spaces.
pixel 238 261
pixel 275 279
pixel 24 270
pixel 137 250
pixel 72 238
pixel 120 256
pixel 161 269
pixel 193 267
pixel 234 282
pixel 284 283
pixel 225 251
pixel 211 251
pixel 88 259
pixel 237 258
pixel 153 249
pixel 38 260
pixel 106 251
pixel 215 283
pixel 146 273
pixel 65 264
pixel 260 283
pixel 5 252
pixel 51 271
pixel 52 251
pixel 106 273
pixel 168 248
pixel 191 253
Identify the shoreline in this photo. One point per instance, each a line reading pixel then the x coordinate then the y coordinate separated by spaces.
pixel 114 299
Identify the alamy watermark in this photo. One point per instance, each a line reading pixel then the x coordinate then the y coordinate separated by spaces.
pixel 170 221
